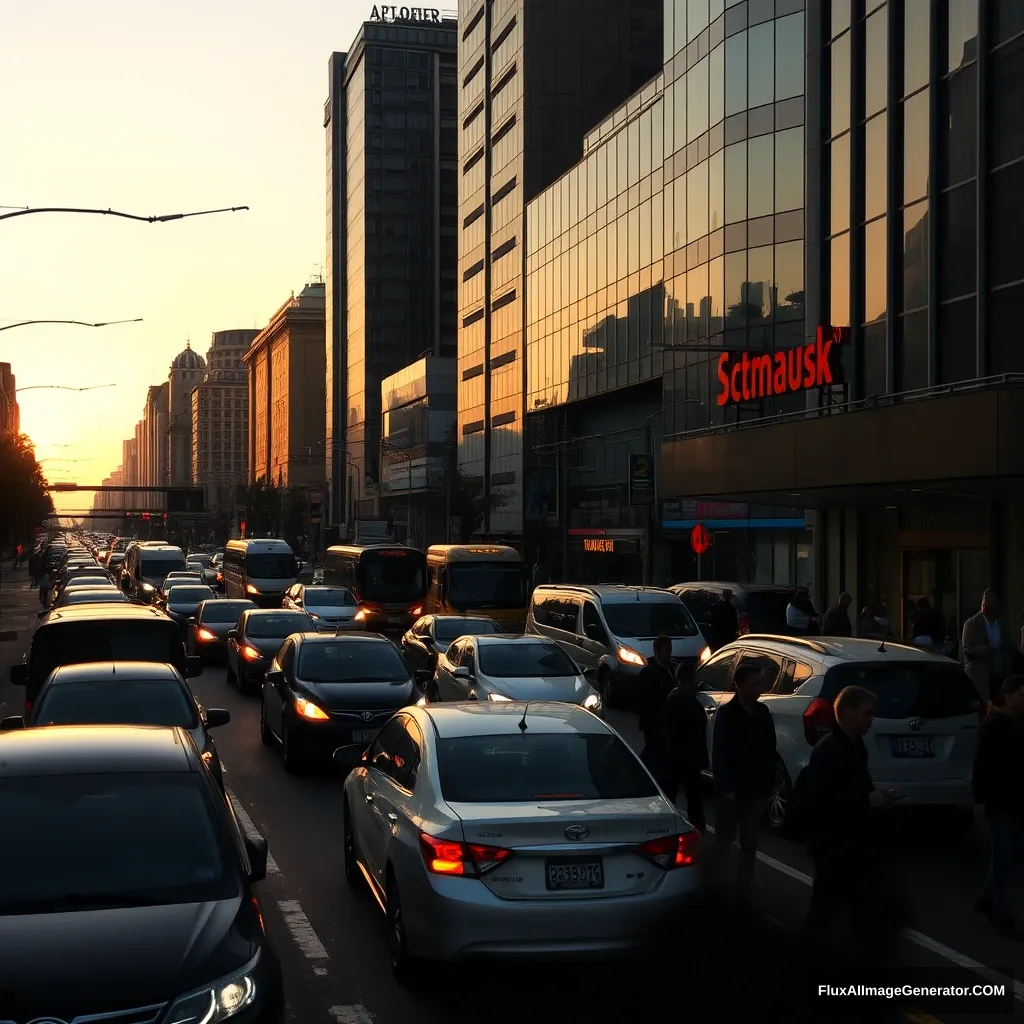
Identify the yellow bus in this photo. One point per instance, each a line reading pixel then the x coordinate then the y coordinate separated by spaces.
pixel 477 579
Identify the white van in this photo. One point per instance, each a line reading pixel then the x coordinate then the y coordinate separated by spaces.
pixel 612 629
pixel 260 571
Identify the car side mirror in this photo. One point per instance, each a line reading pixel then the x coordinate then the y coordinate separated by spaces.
pixel 344 759
pixel 232 634
pixel 259 853
pixel 192 620
pixel 461 672
pixel 423 676
pixel 594 632
pixel 12 722
pixel 590 674
pixel 217 716
pixel 275 676
pixel 193 667
pixel 19 675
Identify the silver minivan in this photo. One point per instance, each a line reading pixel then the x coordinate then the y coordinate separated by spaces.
pixel 611 630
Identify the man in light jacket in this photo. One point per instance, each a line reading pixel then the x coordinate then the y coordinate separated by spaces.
pixel 986 648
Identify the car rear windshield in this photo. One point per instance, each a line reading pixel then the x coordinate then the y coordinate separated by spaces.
pixel 447 630
pixel 188 596
pixel 645 620
pixel 224 611
pixel 766 610
pixel 520 661
pixel 158 567
pixel 203 560
pixel 75 643
pixel 280 624
pixel 136 838
pixel 78 582
pixel 351 662
pixel 328 597
pixel 539 766
pixel 116 702
pixel 908 690
pixel 90 595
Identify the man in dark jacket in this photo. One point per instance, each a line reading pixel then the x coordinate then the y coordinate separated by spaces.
pixel 743 757
pixel 837 619
pixel 999 794
pixel 655 682
pixel 685 731
pixel 724 621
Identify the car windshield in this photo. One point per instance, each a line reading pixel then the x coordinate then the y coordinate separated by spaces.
pixel 447 630
pixel 538 766
pixel 159 567
pixel 188 597
pixel 279 624
pixel 396 574
pixel 224 611
pixel 86 581
pixel 487 585
pixel 766 610
pixel 146 837
pixel 522 660
pixel 356 661
pixel 328 597
pixel 108 595
pixel 71 643
pixel 644 620
pixel 269 565
pixel 923 690
pixel 118 701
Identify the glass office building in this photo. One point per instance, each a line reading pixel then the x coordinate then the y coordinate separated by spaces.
pixel 390 126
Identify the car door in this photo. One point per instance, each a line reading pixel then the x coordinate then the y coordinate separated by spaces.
pixel 413 647
pixel 234 643
pixel 594 640
pixel 715 686
pixel 374 825
pixel 395 791
pixel 464 688
pixel 448 661
pixel 277 694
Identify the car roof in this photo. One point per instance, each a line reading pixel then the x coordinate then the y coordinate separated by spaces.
pixel 736 588
pixel 309 637
pixel 840 649
pixel 265 612
pixel 127 612
pixel 493 639
pixel 109 670
pixel 149 545
pixel 458 618
pixel 486 718
pixel 612 593
pixel 95 750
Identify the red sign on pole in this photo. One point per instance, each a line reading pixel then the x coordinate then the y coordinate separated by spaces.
pixel 700 539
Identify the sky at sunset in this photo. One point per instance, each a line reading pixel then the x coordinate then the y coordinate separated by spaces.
pixel 152 108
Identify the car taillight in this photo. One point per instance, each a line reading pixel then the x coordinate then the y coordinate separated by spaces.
pixel 28 706
pixel 819 717
pixel 205 634
pixel 670 852
pixel 251 653
pixel 744 623
pixel 469 860
pixel 418 610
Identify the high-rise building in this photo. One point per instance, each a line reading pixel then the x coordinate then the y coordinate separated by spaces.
pixel 227 349
pixel 187 371
pixel 10 414
pixel 285 366
pixel 390 121
pixel 154 418
pixel 536 77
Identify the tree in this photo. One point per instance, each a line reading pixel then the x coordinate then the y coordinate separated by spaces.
pixel 26 500
pixel 464 497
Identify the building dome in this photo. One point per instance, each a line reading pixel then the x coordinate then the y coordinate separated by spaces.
pixel 188 360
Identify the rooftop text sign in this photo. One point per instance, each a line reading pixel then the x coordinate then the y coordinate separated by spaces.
pixel 389 13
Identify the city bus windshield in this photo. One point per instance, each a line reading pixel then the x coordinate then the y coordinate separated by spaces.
pixel 487 585
pixel 396 575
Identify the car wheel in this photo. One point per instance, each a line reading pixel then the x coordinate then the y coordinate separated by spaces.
pixel 265 734
pixel 403 964
pixel 352 873
pixel 289 750
pixel 604 684
pixel 231 674
pixel 780 800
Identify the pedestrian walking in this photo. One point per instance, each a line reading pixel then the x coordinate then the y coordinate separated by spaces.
pixel 835 796
pixel 724 621
pixel 685 732
pixel 836 621
pixel 801 618
pixel 743 758
pixel 985 648
pixel 45 586
pixel 654 683
pixel 999 795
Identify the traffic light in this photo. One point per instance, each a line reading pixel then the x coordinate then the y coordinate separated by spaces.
pixel 241 527
pixel 145 517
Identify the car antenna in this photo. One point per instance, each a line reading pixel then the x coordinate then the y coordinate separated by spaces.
pixel 881 647
pixel 522 721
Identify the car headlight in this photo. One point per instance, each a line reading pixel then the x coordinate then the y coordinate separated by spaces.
pixel 705 654
pixel 251 589
pixel 148 588
pixel 498 697
pixel 315 618
pixel 219 1001
pixel 593 702
pixel 630 657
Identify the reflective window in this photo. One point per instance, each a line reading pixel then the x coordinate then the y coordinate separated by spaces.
pixel 760 282
pixel 957 330
pixel 697 100
pixel 679 212
pixel 696 292
pixel 736 183
pixel 963 33
pixel 789 281
pixel 1006 199
pixel 735 283
pixel 679 27
pixel 668 29
pixel 840 16
pixel 697 202
pixel 716 85
pixel 840 201
pixel 875 267
pixel 1006 311
pixel 696 18
pixel 789 170
pixel 912 352
pixel 876 75
pixel 679 104
pixel 917 26
pixel 1007 19
pixel 958 126
pixel 875 362
pixel 716 191
pixel 789 56
pixel 716 284
pixel 875 166
pixel 958 241
pixel 1007 100
pixel 761 179
pixel 761 64
pixel 840 85
pixel 915 147
pixel 915 256
pixel 840 285
pixel 736 74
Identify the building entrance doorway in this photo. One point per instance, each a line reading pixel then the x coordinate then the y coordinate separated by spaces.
pixel 950 579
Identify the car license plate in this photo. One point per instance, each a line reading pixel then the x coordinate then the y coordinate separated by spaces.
pixel 363 735
pixel 395 620
pixel 574 874
pixel 913 746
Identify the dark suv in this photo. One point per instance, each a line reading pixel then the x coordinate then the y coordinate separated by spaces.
pixel 761 608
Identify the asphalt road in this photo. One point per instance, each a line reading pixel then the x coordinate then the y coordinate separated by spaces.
pixel 332 942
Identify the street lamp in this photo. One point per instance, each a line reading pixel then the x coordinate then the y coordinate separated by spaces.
pixel 337 447
pixel 161 218
pixel 48 387
pixel 79 323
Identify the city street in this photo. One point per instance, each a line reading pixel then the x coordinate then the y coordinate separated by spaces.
pixel 332 942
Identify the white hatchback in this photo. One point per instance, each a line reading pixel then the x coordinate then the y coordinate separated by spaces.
pixel 502 829
pixel 925 732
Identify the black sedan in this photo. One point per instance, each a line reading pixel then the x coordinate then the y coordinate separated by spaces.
pixel 432 634
pixel 324 692
pixel 181 602
pixel 125 864
pixel 253 643
pixel 90 595
pixel 208 629
pixel 125 693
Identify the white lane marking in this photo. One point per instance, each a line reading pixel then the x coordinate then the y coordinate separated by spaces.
pixel 251 831
pixel 357 1014
pixel 302 931
pixel 914 936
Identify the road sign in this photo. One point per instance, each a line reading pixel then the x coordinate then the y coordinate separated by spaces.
pixel 700 539
pixel 315 497
pixel 641 479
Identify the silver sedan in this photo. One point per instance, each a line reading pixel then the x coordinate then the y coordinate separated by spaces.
pixel 503 829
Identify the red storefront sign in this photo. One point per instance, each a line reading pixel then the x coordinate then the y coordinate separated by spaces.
pixel 752 376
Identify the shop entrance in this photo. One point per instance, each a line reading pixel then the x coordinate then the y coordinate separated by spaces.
pixel 952 579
